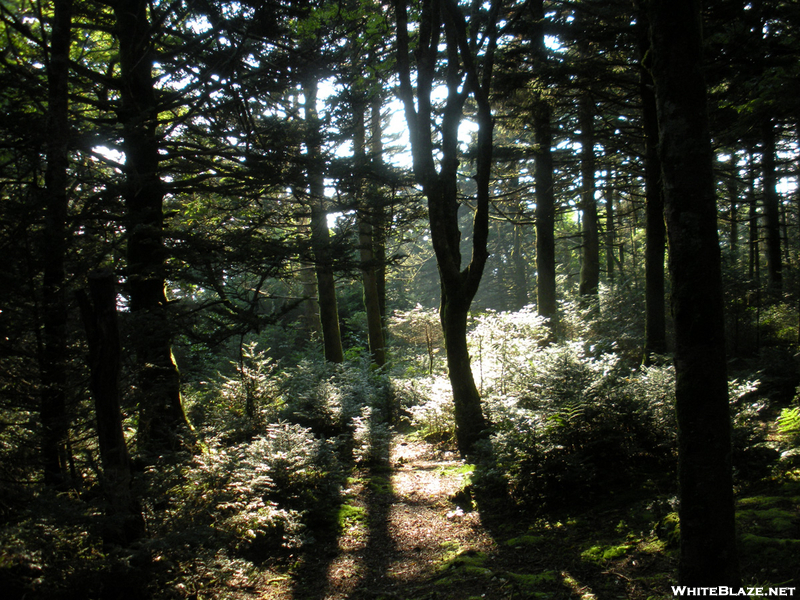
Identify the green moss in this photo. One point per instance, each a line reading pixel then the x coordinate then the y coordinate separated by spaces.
pixel 381 484
pixel 602 553
pixel 669 530
pixel 534 579
pixel 526 540
pixel 350 516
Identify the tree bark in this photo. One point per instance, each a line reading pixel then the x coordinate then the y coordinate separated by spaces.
pixel 590 267
pixel 440 187
pixel 655 331
pixel 162 422
pixel 55 421
pixel 366 243
pixel 99 312
pixel 378 208
pixel 543 174
pixel 708 541
pixel 320 236
pixel 771 208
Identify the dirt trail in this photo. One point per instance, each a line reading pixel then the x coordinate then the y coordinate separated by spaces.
pixel 402 534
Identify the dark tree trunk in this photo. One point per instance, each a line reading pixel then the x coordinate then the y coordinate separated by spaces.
pixel 369 266
pixel 519 266
pixel 543 175
pixel 590 265
pixel 771 209
pixel 320 236
pixel 162 422
pixel 378 208
pixel 99 312
pixel 754 255
pixel 440 187
pixel 655 335
pixel 708 540
pixel 610 231
pixel 55 422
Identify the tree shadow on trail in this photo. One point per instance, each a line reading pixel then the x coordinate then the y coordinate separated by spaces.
pixel 352 553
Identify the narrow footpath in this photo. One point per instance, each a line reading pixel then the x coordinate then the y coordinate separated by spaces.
pixel 406 531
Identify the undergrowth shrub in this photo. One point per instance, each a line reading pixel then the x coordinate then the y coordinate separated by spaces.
pixel 427 404
pixel 582 424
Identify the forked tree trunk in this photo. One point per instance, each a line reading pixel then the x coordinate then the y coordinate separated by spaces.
pixel 443 18
pixel 708 535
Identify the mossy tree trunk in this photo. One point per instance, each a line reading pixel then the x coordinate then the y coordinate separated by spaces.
pixel 708 541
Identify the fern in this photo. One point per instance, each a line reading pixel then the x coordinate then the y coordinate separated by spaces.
pixel 789 425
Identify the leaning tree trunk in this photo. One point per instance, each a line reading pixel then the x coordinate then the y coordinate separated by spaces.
pixel 708 537
pixel 54 348
pixel 162 422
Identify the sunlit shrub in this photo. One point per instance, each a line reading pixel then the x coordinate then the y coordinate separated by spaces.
pixel 581 424
pixel 503 346
pixel 262 491
pixel 427 402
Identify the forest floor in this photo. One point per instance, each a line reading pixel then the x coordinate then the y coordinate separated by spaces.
pixel 407 530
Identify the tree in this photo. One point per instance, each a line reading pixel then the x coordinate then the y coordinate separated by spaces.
pixel 99 312
pixel 443 18
pixel 655 335
pixel 161 417
pixel 708 541
pixel 54 355
pixel 545 195
pixel 320 236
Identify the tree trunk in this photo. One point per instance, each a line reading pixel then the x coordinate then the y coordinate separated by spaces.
pixel 771 209
pixel 519 266
pixel 590 265
pixel 99 312
pixel 55 422
pixel 378 209
pixel 162 422
pixel 610 231
pixel 655 336
pixel 708 538
pixel 543 174
pixel 369 271
pixel 320 236
pixel 441 186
